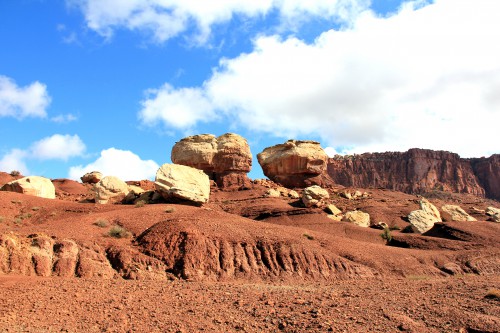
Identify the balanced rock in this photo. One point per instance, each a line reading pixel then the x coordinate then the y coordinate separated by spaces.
pixel 183 182
pixel 91 177
pixel 314 196
pixel 110 187
pixel 358 217
pixel 225 159
pixel 33 185
pixel 457 213
pixel 295 164
pixel 423 220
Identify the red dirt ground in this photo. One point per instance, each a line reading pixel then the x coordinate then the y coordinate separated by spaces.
pixel 242 262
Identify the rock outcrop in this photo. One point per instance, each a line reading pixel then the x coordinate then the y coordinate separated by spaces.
pixel 92 177
pixel 183 182
pixel 225 159
pixel 419 171
pixel 33 185
pixel 295 164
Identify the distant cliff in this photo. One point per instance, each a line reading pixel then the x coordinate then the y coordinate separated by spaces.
pixel 419 171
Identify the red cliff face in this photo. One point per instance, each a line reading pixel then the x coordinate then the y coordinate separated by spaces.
pixel 418 171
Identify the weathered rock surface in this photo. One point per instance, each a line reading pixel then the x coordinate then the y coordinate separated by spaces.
pixel 295 164
pixel 358 217
pixel 33 185
pixel 419 171
pixel 314 196
pixel 110 187
pixel 423 220
pixel 494 213
pixel 183 182
pixel 92 177
pixel 457 213
pixel 225 159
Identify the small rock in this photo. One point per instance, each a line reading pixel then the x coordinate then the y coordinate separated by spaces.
pixel 358 217
pixel 314 196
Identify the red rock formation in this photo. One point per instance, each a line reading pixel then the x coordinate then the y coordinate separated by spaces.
pixel 487 170
pixel 418 171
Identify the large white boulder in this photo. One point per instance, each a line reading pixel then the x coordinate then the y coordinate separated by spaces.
pixel 33 185
pixel 457 213
pixel 108 188
pixel 180 181
pixel 423 219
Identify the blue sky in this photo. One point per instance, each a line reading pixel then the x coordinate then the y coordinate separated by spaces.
pixel 113 84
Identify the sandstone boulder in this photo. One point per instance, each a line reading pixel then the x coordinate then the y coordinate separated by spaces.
pixel 183 182
pixel 358 217
pixel 110 187
pixel 457 213
pixel 423 220
pixel 333 210
pixel 272 193
pixel 295 164
pixel 33 185
pixel 494 213
pixel 225 159
pixel 314 196
pixel 91 177
pixel 428 207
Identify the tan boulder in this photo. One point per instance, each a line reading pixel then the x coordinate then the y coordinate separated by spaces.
pixel 110 187
pixel 295 163
pixel 457 213
pixel 33 185
pixel 314 196
pixel 494 213
pixel 91 177
pixel 428 207
pixel 196 151
pixel 272 193
pixel 293 194
pixel 422 221
pixel 225 159
pixel 183 182
pixel 332 209
pixel 358 217
pixel 336 218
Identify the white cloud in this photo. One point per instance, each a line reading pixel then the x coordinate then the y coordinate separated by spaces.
pixel 427 76
pixel 21 102
pixel 64 118
pixel 164 19
pixel 14 161
pixel 123 164
pixel 181 108
pixel 58 147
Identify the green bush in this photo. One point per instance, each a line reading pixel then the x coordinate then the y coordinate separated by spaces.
pixel 386 235
pixel 308 236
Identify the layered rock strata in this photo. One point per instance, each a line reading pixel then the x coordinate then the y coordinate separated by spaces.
pixel 419 171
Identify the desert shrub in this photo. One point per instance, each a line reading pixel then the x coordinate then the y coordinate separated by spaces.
pixel 308 236
pixel 386 235
pixel 15 173
pixel 140 203
pixel 493 294
pixel 118 232
pixel 170 210
pixel 394 227
pixel 101 223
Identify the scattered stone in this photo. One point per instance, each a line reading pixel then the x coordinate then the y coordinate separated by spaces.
pixel 293 194
pixel 346 194
pixel 33 185
pixel 314 196
pixel 272 193
pixel 182 182
pixel 457 213
pixel 332 209
pixel 337 218
pixel 422 221
pixel 452 269
pixel 380 225
pixel 478 211
pixel 492 211
pixel 110 187
pixel 358 217
pixel 91 177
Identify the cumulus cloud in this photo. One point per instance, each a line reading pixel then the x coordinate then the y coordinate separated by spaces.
pixel 166 19
pixel 427 76
pixel 55 147
pixel 20 102
pixel 64 118
pixel 14 161
pixel 123 164
pixel 58 147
